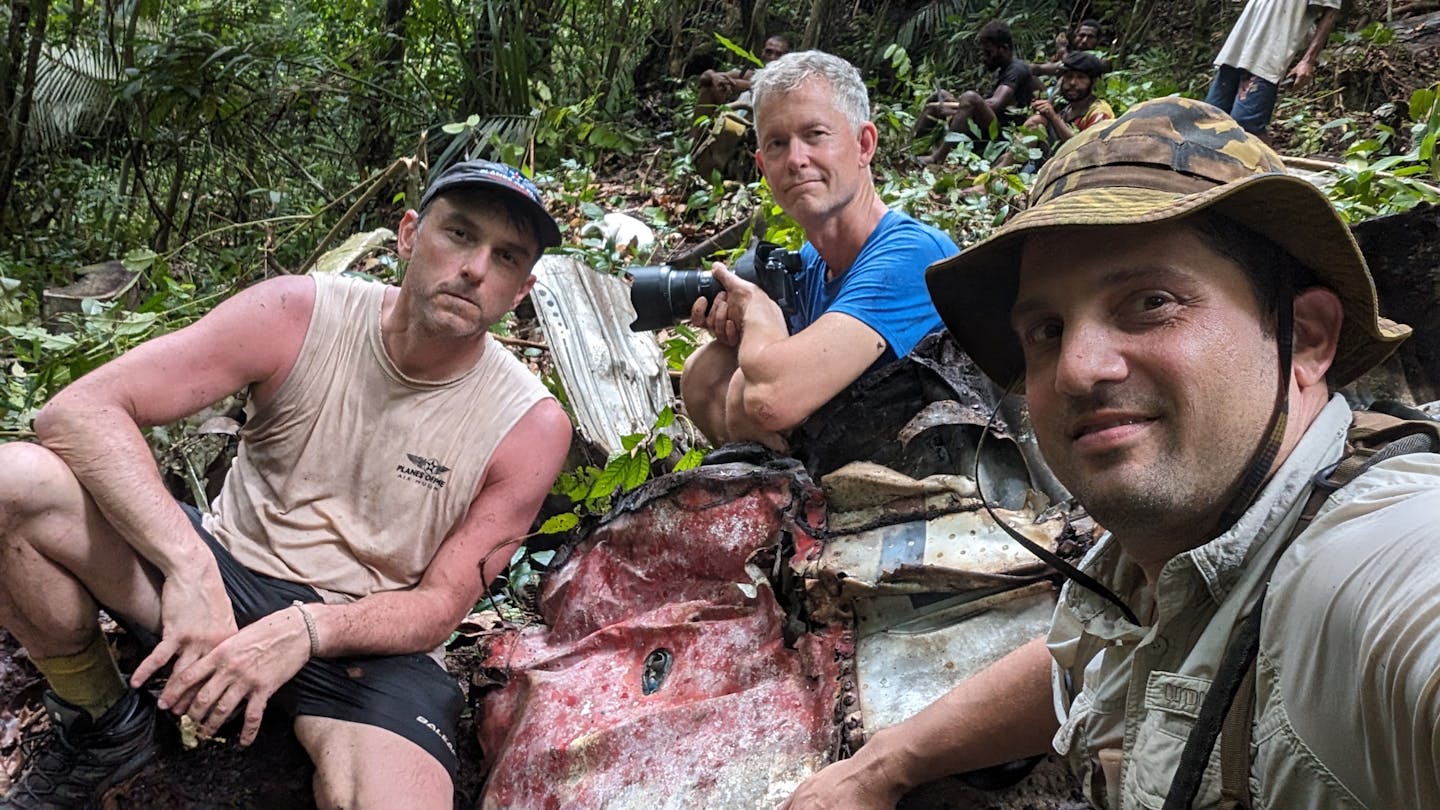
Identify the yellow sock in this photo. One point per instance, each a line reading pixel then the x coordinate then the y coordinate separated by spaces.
pixel 89 679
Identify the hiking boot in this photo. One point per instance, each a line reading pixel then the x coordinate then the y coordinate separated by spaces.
pixel 78 759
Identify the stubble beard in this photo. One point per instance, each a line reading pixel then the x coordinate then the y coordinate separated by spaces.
pixel 1172 502
pixel 442 319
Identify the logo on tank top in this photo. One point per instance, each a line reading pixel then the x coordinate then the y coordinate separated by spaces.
pixel 427 472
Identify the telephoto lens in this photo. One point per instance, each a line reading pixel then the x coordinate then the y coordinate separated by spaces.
pixel 663 295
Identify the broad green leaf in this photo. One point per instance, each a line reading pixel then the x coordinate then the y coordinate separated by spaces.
pixel 637 470
pixel 739 51
pixel 666 417
pixel 690 460
pixel 609 478
pixel 663 446
pixel 138 260
pixel 563 522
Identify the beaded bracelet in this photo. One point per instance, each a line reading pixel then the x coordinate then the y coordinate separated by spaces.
pixel 309 628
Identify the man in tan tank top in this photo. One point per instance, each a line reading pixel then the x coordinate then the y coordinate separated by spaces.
pixel 391 447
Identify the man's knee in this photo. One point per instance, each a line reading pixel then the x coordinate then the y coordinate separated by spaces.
pixel 30 478
pixel 365 766
pixel 969 99
pixel 706 374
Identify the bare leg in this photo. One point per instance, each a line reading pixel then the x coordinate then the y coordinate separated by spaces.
pixel 713 390
pixel 58 555
pixel 938 107
pixel 708 99
pixel 739 427
pixel 365 766
pixel 704 385
pixel 971 108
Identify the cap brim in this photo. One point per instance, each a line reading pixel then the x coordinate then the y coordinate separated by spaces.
pixel 974 290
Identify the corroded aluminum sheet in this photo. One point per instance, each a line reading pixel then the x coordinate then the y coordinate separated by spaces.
pixel 949 552
pixel 910 650
pixel 617 379
pixel 664 678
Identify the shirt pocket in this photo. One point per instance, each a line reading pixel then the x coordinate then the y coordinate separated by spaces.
pixel 1172 702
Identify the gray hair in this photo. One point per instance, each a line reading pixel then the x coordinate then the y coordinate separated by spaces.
pixel 787 73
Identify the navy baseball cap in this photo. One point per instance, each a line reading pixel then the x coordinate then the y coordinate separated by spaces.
pixel 505 178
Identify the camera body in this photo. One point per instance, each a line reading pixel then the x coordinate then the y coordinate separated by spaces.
pixel 663 295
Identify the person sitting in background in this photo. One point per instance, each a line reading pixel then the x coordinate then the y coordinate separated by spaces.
pixel 731 86
pixel 972 113
pixel 723 121
pixel 1081 109
pixel 1085 39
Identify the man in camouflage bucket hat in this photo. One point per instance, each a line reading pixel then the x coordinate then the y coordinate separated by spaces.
pixel 1166 268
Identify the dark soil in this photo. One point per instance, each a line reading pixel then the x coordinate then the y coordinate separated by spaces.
pixel 274 772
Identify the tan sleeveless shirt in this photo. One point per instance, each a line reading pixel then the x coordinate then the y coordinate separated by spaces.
pixel 352 476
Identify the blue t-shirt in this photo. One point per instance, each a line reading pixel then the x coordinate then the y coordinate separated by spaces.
pixel 885 287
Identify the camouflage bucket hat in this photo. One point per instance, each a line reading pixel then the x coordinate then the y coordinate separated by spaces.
pixel 1163 160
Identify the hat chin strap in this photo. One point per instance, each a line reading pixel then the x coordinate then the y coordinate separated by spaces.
pixel 1245 488
pixel 1249 484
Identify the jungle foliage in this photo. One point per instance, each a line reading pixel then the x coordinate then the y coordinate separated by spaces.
pixel 209 145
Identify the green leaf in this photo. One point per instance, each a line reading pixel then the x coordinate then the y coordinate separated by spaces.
pixel 664 445
pixel 453 129
pixel 138 260
pixel 666 417
pixel 609 478
pixel 690 460
pixel 557 524
pixel 637 470
pixel 739 51
pixel 631 441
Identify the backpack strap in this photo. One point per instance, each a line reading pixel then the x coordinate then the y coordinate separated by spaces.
pixel 1235 736
pixel 1229 704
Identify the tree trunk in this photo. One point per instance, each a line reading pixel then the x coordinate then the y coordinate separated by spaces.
pixel 814 27
pixel 17 110
pixel 377 141
pixel 756 24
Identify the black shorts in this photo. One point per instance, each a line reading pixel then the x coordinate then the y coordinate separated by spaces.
pixel 411 695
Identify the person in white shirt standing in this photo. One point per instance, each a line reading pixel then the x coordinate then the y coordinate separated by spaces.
pixel 1256 57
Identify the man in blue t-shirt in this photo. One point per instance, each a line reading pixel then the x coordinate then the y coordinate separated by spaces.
pixel 862 290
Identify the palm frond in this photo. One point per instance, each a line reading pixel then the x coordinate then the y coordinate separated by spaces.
pixel 73 94
pixel 487 137
pixel 930 19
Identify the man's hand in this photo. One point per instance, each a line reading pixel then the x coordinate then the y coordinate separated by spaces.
pixel 857 783
pixel 725 318
pixel 246 668
pixel 744 300
pixel 1044 107
pixel 1300 75
pixel 713 316
pixel 195 617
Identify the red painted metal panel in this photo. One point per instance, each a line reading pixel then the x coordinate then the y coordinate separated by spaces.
pixel 739 718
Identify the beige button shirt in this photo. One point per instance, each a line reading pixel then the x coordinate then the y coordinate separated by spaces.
pixel 1348 679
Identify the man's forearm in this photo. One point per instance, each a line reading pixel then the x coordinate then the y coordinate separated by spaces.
pixel 103 447
pixel 1002 714
pixel 385 623
pixel 1323 27
pixel 760 365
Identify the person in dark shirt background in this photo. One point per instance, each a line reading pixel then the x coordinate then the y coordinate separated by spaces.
pixel 987 115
